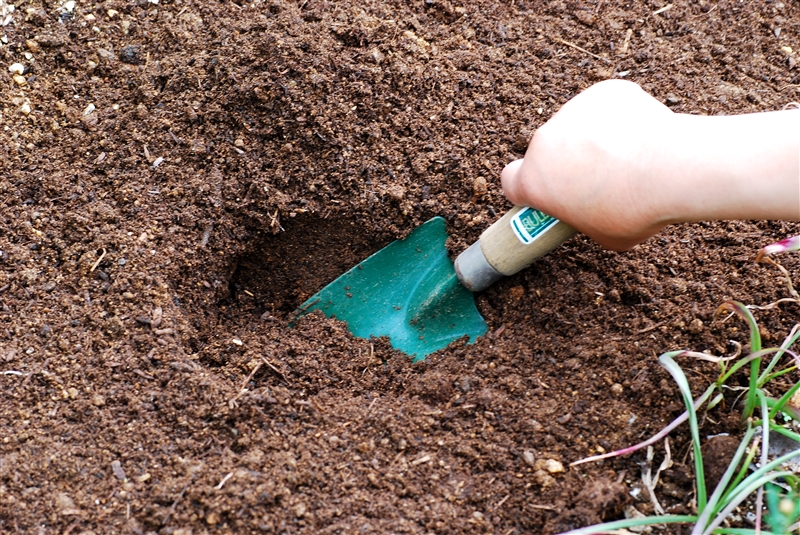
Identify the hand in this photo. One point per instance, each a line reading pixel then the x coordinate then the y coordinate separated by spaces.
pixel 617 165
pixel 589 165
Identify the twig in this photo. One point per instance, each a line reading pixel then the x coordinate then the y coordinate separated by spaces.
pixel 276 370
pixel 649 480
pixel 663 9
pixel 224 479
pixel 652 327
pixel 576 47
pixel 773 304
pixel 243 390
pixel 501 502
pixel 207 234
pixel 299 311
pixel 102 256
pixel 317 405
pixel 626 42
pixel 42 370
pixel 175 503
pixel 785 273
pixel 12 372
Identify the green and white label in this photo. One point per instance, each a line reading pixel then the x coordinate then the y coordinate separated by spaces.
pixel 528 223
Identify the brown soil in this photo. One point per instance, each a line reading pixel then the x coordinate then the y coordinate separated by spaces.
pixel 239 157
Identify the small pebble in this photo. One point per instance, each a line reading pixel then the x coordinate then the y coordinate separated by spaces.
pixel 528 457
pixel 549 465
pixel 396 191
pixel 17 68
pixel 98 400
pixel 300 510
pixel 479 187
pixel 130 55
pixel 543 479
pixel 585 17
pixel 63 501
pixel 553 466
pixel 696 326
pixel 119 473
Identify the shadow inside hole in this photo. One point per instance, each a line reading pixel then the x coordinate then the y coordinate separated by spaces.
pixel 287 268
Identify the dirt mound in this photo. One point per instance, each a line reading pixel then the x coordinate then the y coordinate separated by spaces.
pixel 178 176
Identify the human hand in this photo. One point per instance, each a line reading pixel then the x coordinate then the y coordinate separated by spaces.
pixel 617 165
pixel 591 165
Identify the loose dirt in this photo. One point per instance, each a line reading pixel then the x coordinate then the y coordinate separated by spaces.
pixel 178 176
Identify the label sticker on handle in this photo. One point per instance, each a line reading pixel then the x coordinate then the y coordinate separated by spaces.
pixel 528 223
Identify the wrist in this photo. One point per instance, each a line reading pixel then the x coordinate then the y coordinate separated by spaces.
pixel 730 167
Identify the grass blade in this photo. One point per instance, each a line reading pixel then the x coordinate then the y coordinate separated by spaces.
pixel 755 346
pixel 741 531
pixel 610 527
pixel 747 488
pixel 723 482
pixel 780 405
pixel 764 453
pixel 667 361
pixel 790 340
pixel 652 440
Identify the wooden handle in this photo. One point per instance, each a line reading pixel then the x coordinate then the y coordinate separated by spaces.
pixel 509 245
pixel 521 236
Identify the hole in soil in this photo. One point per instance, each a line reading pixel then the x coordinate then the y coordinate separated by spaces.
pixel 286 269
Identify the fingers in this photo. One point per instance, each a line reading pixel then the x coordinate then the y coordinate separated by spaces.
pixel 512 182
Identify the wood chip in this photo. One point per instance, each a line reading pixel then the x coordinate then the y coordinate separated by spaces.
pixel 424 459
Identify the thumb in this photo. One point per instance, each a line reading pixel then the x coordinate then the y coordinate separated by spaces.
pixel 511 180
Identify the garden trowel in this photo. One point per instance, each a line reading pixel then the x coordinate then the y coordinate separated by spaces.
pixel 412 293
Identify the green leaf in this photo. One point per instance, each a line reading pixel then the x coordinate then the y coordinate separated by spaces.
pixel 667 361
pixel 783 509
pixel 610 527
pixel 719 491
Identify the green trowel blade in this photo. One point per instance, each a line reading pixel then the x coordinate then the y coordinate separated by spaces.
pixel 407 291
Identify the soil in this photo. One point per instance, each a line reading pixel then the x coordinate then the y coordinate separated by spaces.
pixel 178 176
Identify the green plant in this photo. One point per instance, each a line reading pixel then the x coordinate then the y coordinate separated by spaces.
pixel 776 415
pixel 784 508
